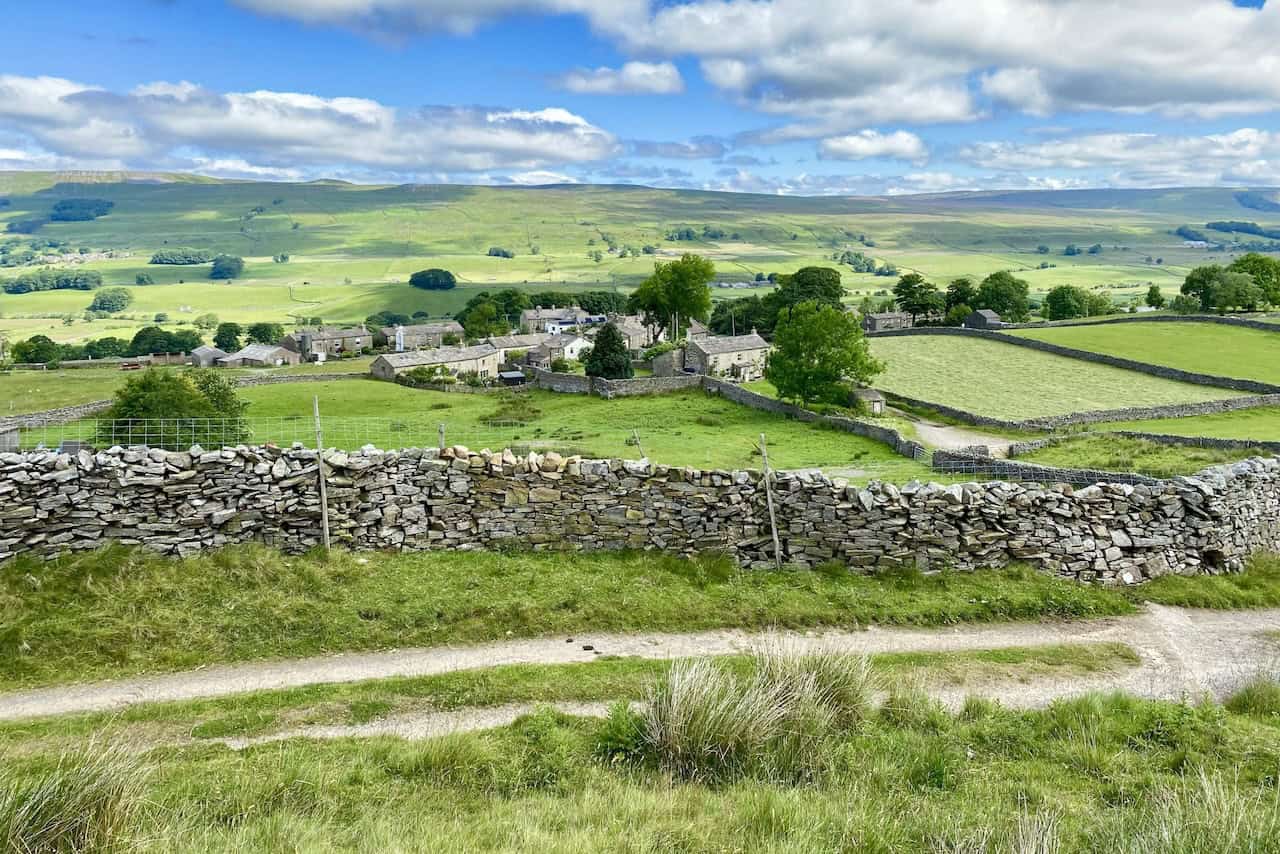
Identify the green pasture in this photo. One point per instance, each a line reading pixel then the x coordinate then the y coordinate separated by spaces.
pixel 1014 383
pixel 1206 348
pixel 1262 423
pixel 1114 453
pixel 683 428
pixel 353 247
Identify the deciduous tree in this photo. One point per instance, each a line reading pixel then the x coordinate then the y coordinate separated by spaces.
pixel 818 351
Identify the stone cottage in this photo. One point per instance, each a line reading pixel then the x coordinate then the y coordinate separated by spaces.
pixel 327 340
pixel 419 335
pixel 480 360
pixel 739 357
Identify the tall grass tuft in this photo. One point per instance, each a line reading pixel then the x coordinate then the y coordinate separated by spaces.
pixel 1260 698
pixel 1207 814
pixel 703 723
pixel 86 803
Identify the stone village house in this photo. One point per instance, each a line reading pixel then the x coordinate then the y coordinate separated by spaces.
pixel 740 357
pixel 418 336
pixel 327 340
pixel 481 360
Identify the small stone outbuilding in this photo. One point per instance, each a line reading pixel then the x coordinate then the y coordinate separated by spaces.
pixel 885 320
pixel 870 399
pixel 259 356
pixel 983 318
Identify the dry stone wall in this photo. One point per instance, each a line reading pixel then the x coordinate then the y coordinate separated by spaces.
pixel 185 502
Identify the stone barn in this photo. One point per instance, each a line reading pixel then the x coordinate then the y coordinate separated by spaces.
pixel 983 318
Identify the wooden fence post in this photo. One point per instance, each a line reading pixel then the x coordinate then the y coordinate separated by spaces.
pixel 324 495
pixel 768 495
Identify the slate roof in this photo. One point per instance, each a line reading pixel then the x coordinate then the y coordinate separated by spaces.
pixel 256 352
pixel 439 356
pixel 715 344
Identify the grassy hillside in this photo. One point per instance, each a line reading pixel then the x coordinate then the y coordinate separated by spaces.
pixel 1014 383
pixel 353 247
pixel 1202 347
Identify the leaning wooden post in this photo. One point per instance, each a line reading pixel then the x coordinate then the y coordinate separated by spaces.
pixel 636 434
pixel 440 436
pixel 324 495
pixel 768 496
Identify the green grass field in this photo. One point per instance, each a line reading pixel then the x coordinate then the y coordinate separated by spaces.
pixel 1014 383
pixel 1262 424
pixel 1113 453
pixel 687 428
pixel 119 612
pixel 35 391
pixel 1206 348
pixel 353 247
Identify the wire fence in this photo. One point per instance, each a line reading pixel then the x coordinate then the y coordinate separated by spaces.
pixel 653 440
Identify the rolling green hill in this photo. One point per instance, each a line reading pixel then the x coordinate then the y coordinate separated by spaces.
pixel 352 247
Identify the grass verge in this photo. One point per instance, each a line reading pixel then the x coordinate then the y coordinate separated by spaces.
pixel 1258 587
pixel 118 612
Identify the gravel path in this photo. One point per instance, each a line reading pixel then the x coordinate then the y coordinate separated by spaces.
pixel 948 437
pixel 1183 652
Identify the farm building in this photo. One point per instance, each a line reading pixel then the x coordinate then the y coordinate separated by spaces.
pixel 740 357
pixel 886 320
pixel 419 335
pixel 983 318
pixel 481 360
pixel 507 344
pixel 259 356
pixel 329 340
pixel 870 398
pixel 557 347
pixel 696 329
pixel 556 320
pixel 205 356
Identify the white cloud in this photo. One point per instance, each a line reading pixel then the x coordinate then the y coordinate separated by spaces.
pixel 866 144
pixel 837 65
pixel 459 16
pixel 633 78
pixel 697 148
pixel 540 177
pixel 1244 156
pixel 168 125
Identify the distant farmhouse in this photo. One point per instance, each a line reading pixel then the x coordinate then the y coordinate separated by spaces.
pixel 983 318
pixel 740 357
pixel 419 335
pixel 886 320
pixel 259 356
pixel 329 341
pixel 557 320
pixel 481 360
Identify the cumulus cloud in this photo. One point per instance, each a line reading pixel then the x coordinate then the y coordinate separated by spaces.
pixel 1244 156
pixel 182 125
pixel 866 144
pixel 837 65
pixel 633 78
pixel 697 148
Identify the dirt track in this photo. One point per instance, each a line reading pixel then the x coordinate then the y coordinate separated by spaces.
pixel 1184 652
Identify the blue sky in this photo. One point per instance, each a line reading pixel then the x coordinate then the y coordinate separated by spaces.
pixel 775 96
